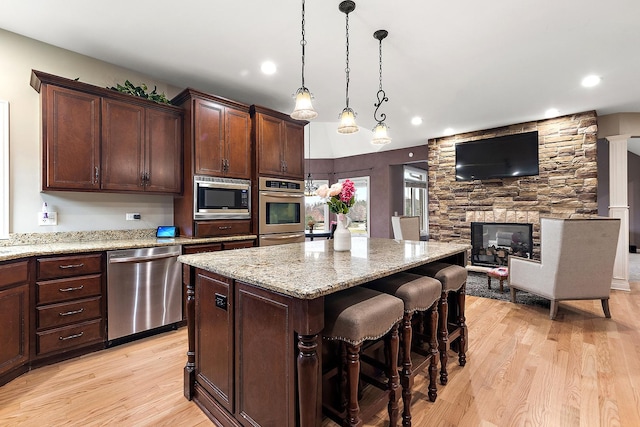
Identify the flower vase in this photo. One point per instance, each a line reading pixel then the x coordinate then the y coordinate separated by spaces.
pixel 342 235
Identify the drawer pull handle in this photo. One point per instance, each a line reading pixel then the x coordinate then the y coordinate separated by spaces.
pixel 77 288
pixel 72 266
pixel 224 227
pixel 70 337
pixel 69 313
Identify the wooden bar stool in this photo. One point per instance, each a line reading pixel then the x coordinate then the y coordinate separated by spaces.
pixel 354 316
pixel 418 293
pixel 453 278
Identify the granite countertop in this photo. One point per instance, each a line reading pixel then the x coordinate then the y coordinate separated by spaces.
pixel 36 244
pixel 312 269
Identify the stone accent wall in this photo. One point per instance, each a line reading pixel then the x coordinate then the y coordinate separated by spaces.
pixel 565 188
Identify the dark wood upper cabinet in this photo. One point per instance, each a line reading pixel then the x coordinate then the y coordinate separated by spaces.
pixel 279 143
pixel 71 131
pixel 217 135
pixel 208 135
pixel 123 146
pixel 97 139
pixel 238 144
pixel 163 151
pixel 293 152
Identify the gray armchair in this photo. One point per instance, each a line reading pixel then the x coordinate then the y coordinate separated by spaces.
pixel 577 257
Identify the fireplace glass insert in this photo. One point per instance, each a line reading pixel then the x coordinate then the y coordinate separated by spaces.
pixel 493 242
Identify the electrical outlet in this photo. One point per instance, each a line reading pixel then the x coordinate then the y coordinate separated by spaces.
pixel 132 216
pixel 47 218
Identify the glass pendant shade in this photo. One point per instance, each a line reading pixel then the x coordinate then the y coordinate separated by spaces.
pixel 380 135
pixel 348 121
pixel 303 110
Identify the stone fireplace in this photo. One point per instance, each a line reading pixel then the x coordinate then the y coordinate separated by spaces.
pixel 493 242
pixel 566 186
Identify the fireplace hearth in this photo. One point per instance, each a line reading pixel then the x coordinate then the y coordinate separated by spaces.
pixel 493 242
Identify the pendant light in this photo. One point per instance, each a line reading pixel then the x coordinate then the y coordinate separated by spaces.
pixel 303 109
pixel 309 187
pixel 380 134
pixel 348 116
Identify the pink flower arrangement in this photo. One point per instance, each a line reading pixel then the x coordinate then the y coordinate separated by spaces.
pixel 340 196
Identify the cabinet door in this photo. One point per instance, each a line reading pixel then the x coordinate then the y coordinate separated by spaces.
pixel 163 151
pixel 122 146
pixel 14 316
pixel 71 134
pixel 265 347
pixel 294 150
pixel 238 144
pixel 208 137
pixel 214 337
pixel 270 142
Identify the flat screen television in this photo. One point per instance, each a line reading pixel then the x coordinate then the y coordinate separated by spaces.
pixel 499 157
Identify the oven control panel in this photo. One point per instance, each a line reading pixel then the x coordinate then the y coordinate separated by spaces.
pixel 281 185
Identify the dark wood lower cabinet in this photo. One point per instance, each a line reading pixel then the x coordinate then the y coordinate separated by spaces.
pixel 245 353
pixel 265 351
pixel 14 320
pixel 214 340
pixel 69 306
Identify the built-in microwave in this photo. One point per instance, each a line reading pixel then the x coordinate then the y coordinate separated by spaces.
pixel 221 198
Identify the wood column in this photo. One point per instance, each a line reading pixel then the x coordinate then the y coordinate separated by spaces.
pixel 619 207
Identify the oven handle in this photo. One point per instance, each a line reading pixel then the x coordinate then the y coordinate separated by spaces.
pixel 282 195
pixel 282 237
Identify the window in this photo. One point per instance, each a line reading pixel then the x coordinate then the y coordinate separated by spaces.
pixel 360 211
pixel 315 209
pixel 4 169
pixel 415 196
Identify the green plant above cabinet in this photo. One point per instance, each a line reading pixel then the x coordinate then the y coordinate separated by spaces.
pixel 96 139
pixel 141 91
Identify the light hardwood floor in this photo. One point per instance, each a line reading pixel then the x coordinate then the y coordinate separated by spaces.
pixel 522 369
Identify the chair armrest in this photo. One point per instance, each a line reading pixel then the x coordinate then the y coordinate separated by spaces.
pixel 529 275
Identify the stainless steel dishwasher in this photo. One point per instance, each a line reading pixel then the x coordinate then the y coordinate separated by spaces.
pixel 144 290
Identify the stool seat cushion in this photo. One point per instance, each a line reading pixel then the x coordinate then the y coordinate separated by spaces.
pixel 451 276
pixel 358 314
pixel 417 292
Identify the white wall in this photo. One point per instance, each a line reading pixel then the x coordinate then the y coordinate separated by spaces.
pixel 76 211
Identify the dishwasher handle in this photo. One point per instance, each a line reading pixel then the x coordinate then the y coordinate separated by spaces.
pixel 119 260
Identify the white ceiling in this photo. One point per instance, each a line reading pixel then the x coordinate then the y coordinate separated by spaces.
pixel 465 65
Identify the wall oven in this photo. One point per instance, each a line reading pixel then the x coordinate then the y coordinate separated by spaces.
pixel 281 211
pixel 221 198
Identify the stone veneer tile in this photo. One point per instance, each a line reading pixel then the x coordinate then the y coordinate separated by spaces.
pixel 470 216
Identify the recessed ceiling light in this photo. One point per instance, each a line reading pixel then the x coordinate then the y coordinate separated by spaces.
pixel 448 131
pixel 416 121
pixel 268 67
pixel 551 112
pixel 591 81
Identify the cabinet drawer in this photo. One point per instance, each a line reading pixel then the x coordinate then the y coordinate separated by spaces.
pixel 207 247
pixel 239 244
pixel 70 312
pixel 13 273
pixel 68 337
pixel 69 289
pixel 222 228
pixel 52 268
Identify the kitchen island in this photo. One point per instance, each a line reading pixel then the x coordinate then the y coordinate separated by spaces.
pixel 255 319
